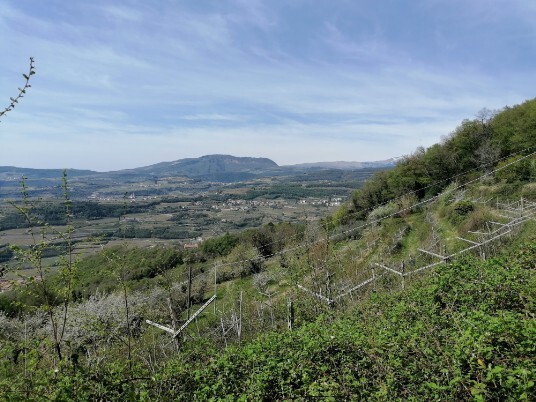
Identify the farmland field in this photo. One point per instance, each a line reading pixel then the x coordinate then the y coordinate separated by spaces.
pixel 169 212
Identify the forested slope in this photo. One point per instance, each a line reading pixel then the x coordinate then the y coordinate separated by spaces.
pixel 477 146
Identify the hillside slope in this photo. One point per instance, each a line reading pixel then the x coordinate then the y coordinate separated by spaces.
pixel 465 334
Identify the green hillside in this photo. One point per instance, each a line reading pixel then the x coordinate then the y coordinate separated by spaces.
pixel 420 288
pixel 467 333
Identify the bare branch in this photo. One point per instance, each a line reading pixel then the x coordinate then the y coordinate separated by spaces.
pixel 22 91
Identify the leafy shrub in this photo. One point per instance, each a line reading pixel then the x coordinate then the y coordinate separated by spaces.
pixel 457 212
pixel 5 254
pixel 462 208
pixel 219 246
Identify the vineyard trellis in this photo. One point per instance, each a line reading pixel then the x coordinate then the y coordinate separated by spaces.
pixel 509 215
pixel 520 212
pixel 516 213
pixel 188 321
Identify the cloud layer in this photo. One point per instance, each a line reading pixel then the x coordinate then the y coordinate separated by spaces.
pixel 120 86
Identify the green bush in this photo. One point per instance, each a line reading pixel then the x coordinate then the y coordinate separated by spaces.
pixel 219 246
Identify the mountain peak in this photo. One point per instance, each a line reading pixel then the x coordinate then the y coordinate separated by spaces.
pixel 212 167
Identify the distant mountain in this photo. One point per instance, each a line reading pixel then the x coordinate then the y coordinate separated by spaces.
pixel 11 172
pixel 215 168
pixel 342 165
pixel 209 167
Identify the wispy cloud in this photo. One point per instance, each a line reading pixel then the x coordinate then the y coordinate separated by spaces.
pixel 298 82
pixel 369 48
pixel 129 14
pixel 212 117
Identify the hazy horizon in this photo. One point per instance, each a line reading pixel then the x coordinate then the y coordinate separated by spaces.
pixel 125 85
pixel 169 161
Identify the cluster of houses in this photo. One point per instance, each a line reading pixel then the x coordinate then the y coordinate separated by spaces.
pixel 244 205
pixel 328 202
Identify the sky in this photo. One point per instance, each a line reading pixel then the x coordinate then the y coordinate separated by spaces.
pixel 123 84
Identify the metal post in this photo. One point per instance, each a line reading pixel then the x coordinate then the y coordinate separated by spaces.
pixel 189 289
pixel 402 269
pixel 240 320
pixel 290 308
pixel 215 285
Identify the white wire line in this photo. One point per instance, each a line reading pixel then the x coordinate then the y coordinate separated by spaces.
pixel 375 221
pixel 514 222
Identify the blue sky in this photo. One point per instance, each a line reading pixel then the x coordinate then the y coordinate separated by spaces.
pixel 122 84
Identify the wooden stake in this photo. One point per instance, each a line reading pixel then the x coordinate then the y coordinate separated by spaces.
pixel 173 322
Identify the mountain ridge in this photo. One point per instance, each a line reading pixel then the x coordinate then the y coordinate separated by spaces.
pixel 347 165
pixel 216 167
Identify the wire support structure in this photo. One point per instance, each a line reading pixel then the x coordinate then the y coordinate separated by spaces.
pixel 378 220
